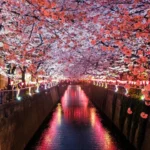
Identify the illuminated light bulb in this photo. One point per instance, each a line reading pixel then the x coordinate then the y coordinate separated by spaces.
pixel 17 96
pixel 45 86
pixel 102 84
pixel 116 90
pixel 142 97
pixel 99 84
pixel 30 91
pixel 37 89
pixel 126 92
pixel 11 83
pixel 105 85
pixel 147 82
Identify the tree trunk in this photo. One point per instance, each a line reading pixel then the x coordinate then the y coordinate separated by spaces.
pixel 23 76
pixel 8 72
pixel 11 71
pixel 8 83
pixel 23 71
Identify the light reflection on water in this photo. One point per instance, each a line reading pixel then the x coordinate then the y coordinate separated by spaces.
pixel 75 125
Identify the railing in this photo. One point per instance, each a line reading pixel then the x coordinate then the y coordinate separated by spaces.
pixel 7 96
pixel 135 93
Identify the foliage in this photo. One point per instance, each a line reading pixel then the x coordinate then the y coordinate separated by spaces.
pixel 135 93
pixel 76 38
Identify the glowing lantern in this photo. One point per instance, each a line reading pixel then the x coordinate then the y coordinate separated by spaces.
pixel 37 88
pixel 116 86
pixel 30 91
pixel 142 97
pixel 17 96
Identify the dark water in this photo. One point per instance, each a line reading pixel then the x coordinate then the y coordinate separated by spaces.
pixel 76 125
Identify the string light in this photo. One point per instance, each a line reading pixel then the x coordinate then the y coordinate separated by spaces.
pixel 99 84
pixel 105 85
pixel 37 89
pixel 126 93
pixel 142 97
pixel 116 86
pixel 45 86
pixel 17 96
pixel 11 83
pixel 30 91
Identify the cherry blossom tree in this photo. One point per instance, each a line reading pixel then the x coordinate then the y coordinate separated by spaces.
pixel 76 38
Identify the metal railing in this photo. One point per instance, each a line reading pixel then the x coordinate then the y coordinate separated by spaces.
pixel 7 96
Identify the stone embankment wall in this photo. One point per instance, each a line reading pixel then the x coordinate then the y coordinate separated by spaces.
pixel 21 119
pixel 114 105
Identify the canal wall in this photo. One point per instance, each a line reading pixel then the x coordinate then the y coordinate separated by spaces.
pixel 62 89
pixel 20 120
pixel 115 106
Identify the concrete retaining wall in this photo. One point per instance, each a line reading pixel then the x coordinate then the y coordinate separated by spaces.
pixel 114 106
pixel 20 120
pixel 62 89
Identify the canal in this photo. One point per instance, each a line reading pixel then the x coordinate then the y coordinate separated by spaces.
pixel 75 124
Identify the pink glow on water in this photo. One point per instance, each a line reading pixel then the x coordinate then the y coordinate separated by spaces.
pixel 75 111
